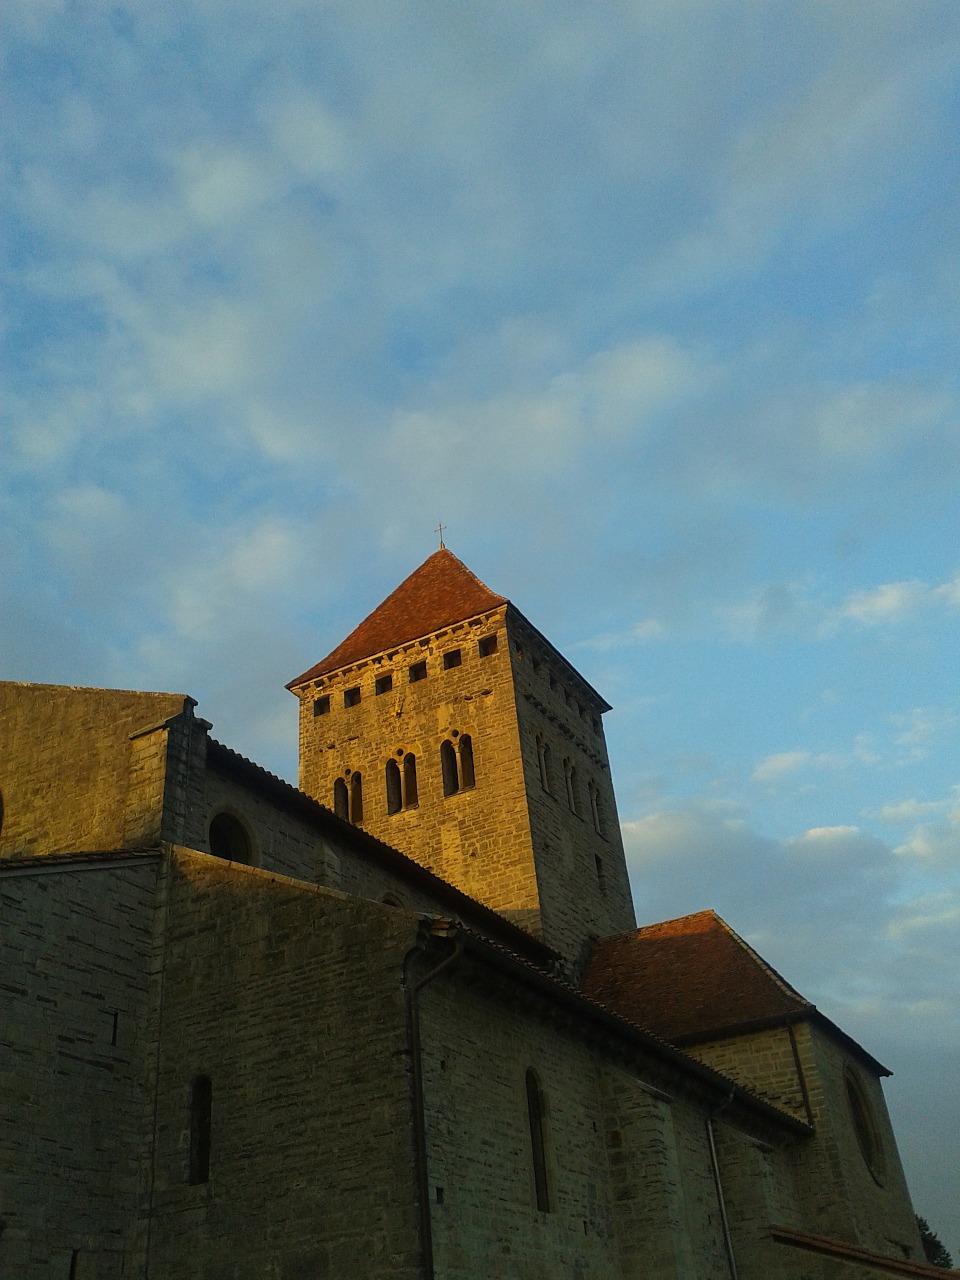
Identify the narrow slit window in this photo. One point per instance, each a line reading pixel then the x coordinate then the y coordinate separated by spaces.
pixel 543 762
pixel 356 798
pixel 538 1151
pixel 394 790
pixel 595 810
pixel 467 778
pixel 410 797
pixel 448 768
pixel 201 1100
pixel 341 800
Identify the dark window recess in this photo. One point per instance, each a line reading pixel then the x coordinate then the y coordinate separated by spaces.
pixel 229 839
pixel 538 1151
pixel 467 778
pixel 601 881
pixel 448 767
pixel 410 795
pixel 418 672
pixel 356 798
pixel 394 793
pixel 384 684
pixel 486 646
pixel 201 1109
pixel 341 800
pixel 351 696
pixel 451 659
pixel 321 706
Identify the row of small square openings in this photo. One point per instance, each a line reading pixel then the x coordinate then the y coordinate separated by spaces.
pixel 416 672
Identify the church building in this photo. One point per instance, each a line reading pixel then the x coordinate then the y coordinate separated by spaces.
pixel 399 1022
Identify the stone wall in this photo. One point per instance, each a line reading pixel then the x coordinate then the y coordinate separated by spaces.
pixel 67 775
pixel 75 991
pixel 584 889
pixel 289 1000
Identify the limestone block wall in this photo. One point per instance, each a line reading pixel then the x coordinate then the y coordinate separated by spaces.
pixel 288 999
pixel 869 1203
pixel 66 768
pixel 582 876
pixel 74 1015
pixel 478 838
pixel 762 1060
pixel 632 1192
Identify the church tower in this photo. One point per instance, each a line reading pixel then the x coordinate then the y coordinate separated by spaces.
pixel 449 727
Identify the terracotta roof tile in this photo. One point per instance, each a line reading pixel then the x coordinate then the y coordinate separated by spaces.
pixel 441 592
pixel 689 979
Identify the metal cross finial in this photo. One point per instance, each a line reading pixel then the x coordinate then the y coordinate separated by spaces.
pixel 439 529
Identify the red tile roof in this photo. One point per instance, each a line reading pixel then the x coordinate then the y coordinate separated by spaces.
pixel 441 592
pixel 689 979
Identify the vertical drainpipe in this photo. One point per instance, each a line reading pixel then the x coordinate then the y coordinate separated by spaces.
pixel 727 1240
pixel 412 995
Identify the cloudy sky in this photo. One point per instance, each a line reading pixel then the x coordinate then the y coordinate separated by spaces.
pixel 653 304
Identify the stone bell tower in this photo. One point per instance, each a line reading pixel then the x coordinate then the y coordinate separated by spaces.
pixel 447 726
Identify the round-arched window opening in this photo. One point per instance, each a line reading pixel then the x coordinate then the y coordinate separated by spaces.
pixel 228 839
pixel 864 1126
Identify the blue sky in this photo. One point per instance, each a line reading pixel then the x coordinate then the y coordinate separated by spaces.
pixel 655 305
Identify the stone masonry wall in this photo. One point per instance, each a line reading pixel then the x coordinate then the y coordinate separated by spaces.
pixel 632 1193
pixel 478 839
pixel 74 990
pixel 582 876
pixel 762 1060
pixel 289 999
pixel 65 768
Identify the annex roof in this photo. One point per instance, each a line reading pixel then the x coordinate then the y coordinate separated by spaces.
pixel 694 979
pixel 689 979
pixel 441 592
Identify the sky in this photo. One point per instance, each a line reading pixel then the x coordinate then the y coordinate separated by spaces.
pixel 654 305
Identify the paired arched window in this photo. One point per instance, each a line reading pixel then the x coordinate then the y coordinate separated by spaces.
pixel 401 783
pixel 536 1115
pixel 573 788
pixel 201 1111
pixel 544 763
pixel 348 799
pixel 228 839
pixel 456 763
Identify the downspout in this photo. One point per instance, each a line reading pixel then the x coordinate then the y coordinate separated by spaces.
pixel 412 994
pixel 727 1240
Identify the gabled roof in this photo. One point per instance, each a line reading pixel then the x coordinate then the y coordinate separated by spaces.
pixel 693 979
pixel 441 592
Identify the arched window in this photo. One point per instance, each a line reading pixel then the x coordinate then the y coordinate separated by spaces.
pixel 356 798
pixel 538 1150
pixel 448 767
pixel 467 778
pixel 201 1099
pixel 543 760
pixel 341 801
pixel 410 798
pixel 228 839
pixel 573 792
pixel 394 792
pixel 595 811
